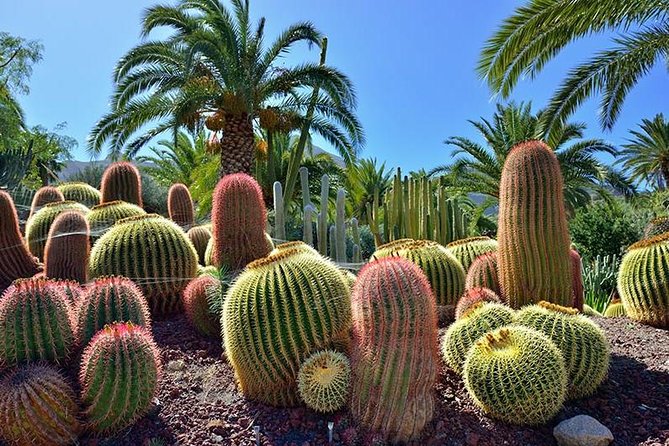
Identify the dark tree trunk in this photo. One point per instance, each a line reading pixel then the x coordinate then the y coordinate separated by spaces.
pixel 237 145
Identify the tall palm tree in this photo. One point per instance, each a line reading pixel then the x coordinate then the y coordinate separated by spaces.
pixel 480 169
pixel 364 180
pixel 540 29
pixel 646 155
pixel 215 67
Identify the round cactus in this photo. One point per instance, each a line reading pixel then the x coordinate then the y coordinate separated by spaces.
pixel 73 290
pixel 323 381
pixel 615 309
pixel 197 305
pixel 643 281
pixel 67 248
pixel 279 310
pixel 295 245
pixel 589 311
pixel 82 193
pixel 467 250
pixel 38 407
pixel 472 296
pixel 180 206
pixel 481 318
pixel 108 300
pixel 483 273
pixel 104 216
pixel 120 372
pixel 199 237
pixel 121 181
pixel 39 225
pixel 153 252
pixel 391 247
pixel 45 195
pixel 517 375
pixel 24 340
pixel 16 261
pixel 657 226
pixel 582 343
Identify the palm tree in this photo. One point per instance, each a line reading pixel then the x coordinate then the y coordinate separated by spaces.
pixel 215 67
pixel 646 155
pixel 480 170
pixel 364 180
pixel 540 29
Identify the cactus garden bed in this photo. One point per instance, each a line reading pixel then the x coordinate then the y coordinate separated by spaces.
pixel 198 403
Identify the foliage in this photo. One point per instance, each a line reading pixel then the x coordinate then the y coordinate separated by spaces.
pixel 50 150
pixel 91 174
pixel 599 281
pixel 365 179
pixel 646 155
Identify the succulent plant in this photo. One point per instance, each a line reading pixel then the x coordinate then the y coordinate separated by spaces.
pixel 576 280
pixel 104 216
pixel 38 407
pixel 73 290
pixel 120 372
pixel 615 309
pixel 67 248
pixel 643 281
pixel 483 273
pixel 280 309
pixel 391 247
pixel 180 206
pixel 45 195
pixel 394 357
pixel 481 318
pixel 517 375
pixel 82 193
pixel 582 343
pixel 39 225
pixel 22 339
pixel 323 381
pixel 108 300
pixel 295 245
pixel 199 236
pixel 16 261
pixel 153 252
pixel 657 226
pixel 472 296
pixel 468 249
pixel 197 305
pixel 121 181
pixel 533 254
pixel 589 311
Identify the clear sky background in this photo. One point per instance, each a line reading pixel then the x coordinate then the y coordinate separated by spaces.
pixel 412 64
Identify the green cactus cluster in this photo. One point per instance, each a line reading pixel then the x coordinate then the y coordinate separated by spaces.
pixel 82 193
pixel 323 381
pixel 105 215
pixel 38 226
pixel 468 249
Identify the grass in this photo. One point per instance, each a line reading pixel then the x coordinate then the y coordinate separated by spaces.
pixel 599 281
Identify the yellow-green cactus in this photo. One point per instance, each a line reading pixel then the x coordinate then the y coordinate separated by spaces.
pixel 323 381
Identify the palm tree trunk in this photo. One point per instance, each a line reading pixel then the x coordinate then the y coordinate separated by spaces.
pixel 237 145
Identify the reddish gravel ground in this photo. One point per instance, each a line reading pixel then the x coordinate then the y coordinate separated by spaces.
pixel 199 405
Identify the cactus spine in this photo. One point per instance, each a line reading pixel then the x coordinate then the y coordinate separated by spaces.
pixel 180 206
pixel 394 355
pixel 45 195
pixel 39 225
pixel 67 248
pixel 199 236
pixel 104 216
pixel 483 273
pixel 16 260
pixel 471 297
pixel 279 215
pixel 82 193
pixel 121 181
pixel 197 305
pixel 323 381
pixel 533 254
pixel 467 250
pixel 323 216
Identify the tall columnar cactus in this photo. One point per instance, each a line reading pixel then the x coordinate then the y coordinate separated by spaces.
pixel 323 381
pixel 22 339
pixel 471 297
pixel 643 281
pixel 340 227
pixel 483 273
pixel 82 193
pixel 67 248
pixel 576 280
pixel 323 216
pixel 120 372
pixel 281 309
pixel 38 407
pixel 180 206
pixel 533 254
pixel 657 226
pixel 468 249
pixel 45 195
pixel 279 213
pixel 104 216
pixel 199 236
pixel 198 306
pixel 582 343
pixel 39 225
pixel 108 300
pixel 238 219
pixel 16 261
pixel 517 375
pixel 121 181
pixel 308 225
pixel 394 355
pixel 153 252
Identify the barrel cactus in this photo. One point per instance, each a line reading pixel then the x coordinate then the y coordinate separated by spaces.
pixel 199 236
pixel 39 225
pixel 82 193
pixel 120 372
pixel 197 305
pixel 16 261
pixel 483 273
pixel 589 311
pixel 38 407
pixel 471 297
pixel 281 309
pixel 180 206
pixel 643 281
pixel 298 245
pixel 105 215
pixel 45 195
pixel 468 249
pixel 73 290
pixel 582 343
pixel 394 336
pixel 67 248
pixel 24 340
pixel 657 226
pixel 163 259
pixel 389 248
pixel 615 309
pixel 121 181
pixel 533 253
pixel 323 381
pixel 481 318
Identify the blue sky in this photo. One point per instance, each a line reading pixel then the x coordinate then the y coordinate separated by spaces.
pixel 412 64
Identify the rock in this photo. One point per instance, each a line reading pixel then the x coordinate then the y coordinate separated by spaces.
pixel 176 366
pixel 582 430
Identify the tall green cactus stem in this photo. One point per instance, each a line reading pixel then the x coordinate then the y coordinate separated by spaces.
pixel 199 236
pixel 576 280
pixel 281 309
pixel 643 281
pixel 121 181
pixel 82 193
pixel 308 227
pixel 394 355
pixel 357 256
pixel 104 216
pixel 279 213
pixel 45 195
pixel 22 338
pixel 355 233
pixel 656 227
pixel 109 300
pixel 304 184
pixel 333 242
pixel 38 407
pixel 120 372
pixel 67 248
pixel 323 381
pixel 323 216
pixel 198 308
pixel 180 206
pixel 582 343
pixel 16 261
pixel 39 225
pixel 473 296
pixel 153 252
pixel 517 375
pixel 468 249
pixel 483 273
pixel 238 220
pixel 340 226
pixel 533 254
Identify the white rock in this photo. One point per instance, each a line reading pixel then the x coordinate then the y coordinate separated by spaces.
pixel 582 430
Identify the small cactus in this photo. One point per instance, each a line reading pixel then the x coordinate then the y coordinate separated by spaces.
pixel 589 311
pixel 39 225
pixel 67 248
pixel 45 195
pixel 180 206
pixel 468 249
pixel 16 261
pixel 614 309
pixel 121 181
pixel 104 216
pixel 323 381
pixel 483 273
pixel 197 305
pixel 82 193
pixel 199 236
pixel 471 297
